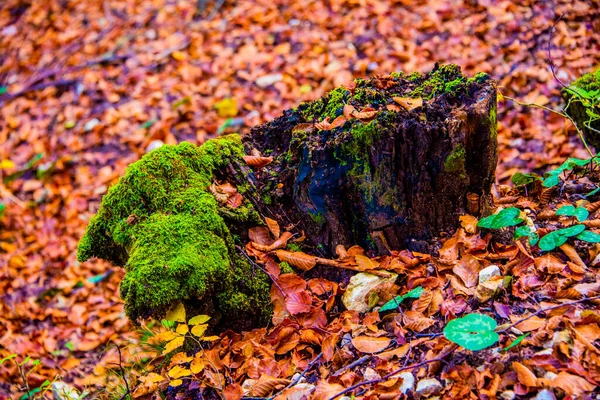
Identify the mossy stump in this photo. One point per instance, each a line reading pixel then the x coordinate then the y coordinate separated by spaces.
pixel 386 163
pixel 582 99
pixel 387 181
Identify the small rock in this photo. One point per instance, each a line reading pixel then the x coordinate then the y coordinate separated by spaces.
pixel 408 382
pixel 545 394
pixel 429 387
pixel 507 395
pixel 91 124
pixel 370 374
pixel 155 144
pixel 268 80
pixel 356 298
pixel 9 31
pixel 486 274
pixel 64 391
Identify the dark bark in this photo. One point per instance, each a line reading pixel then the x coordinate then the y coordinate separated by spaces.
pixel 393 182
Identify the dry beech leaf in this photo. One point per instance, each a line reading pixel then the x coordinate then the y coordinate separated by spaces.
pixel 273 227
pixel 469 222
pixel 572 385
pixel 398 352
pixel 408 103
pixel 524 375
pixel 267 384
pixel 416 321
pixel 528 325
pixel 260 235
pixel 325 390
pixel 277 244
pixel 573 255
pixel 349 111
pixel 422 303
pixel 323 125
pixel 298 302
pixel 257 162
pixel 365 263
pixel 297 259
pixel 549 264
pixel 368 344
pixel 339 121
pixel 305 127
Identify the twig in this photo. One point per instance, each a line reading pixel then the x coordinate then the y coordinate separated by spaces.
pixel 261 268
pixel 386 377
pixel 295 381
pixel 351 365
pixel 127 391
pixel 564 115
pixel 543 310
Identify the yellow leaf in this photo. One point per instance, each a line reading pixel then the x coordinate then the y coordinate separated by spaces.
pixel 197 364
pixel 180 358
pixel 175 382
pixel 182 329
pixel 199 330
pixel 176 313
pixel 178 55
pixel 165 336
pixel 7 164
pixel 178 372
pixel 199 319
pixel 211 338
pixel 227 108
pixel 173 344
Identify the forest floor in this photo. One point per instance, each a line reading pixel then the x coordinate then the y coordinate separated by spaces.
pixel 87 87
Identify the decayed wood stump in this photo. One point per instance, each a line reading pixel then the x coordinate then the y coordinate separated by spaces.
pixel 383 163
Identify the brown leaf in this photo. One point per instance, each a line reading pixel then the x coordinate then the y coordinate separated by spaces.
pixel 408 103
pixel 324 125
pixel 416 321
pixel 365 116
pixel 297 259
pixel 524 375
pixel 339 121
pixel 260 235
pixel 266 384
pixel 469 222
pixel 257 162
pixel 298 302
pixel 325 390
pixel 233 391
pixel 277 244
pixel 549 264
pixel 422 303
pixel 273 227
pixel 368 344
pixel 573 255
pixel 572 385
pixel 349 111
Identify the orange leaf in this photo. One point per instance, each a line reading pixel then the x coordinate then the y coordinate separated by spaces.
pixel 524 374
pixel 266 384
pixel 273 227
pixel 297 259
pixel 298 302
pixel 260 235
pixel 257 162
pixel 277 244
pixel 572 385
pixel 368 344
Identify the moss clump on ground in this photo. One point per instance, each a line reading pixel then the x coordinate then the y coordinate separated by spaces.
pixel 583 105
pixel 162 224
pixel 456 160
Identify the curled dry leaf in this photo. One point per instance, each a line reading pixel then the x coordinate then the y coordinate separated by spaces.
pixel 277 244
pixel 324 125
pixel 297 259
pixel 348 111
pixel 572 385
pixel 366 115
pixel 469 222
pixel 368 344
pixel 306 127
pixel 339 121
pixel 258 162
pixel 260 235
pixel 273 227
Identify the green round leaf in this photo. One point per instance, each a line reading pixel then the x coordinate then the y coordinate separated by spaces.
pixel 507 217
pixel 580 212
pixel 571 231
pixel 589 236
pixel 552 240
pixel 473 332
pixel 550 181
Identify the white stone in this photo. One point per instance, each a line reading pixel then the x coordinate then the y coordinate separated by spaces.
pixel 155 144
pixel 268 80
pixel 64 391
pixel 356 297
pixel 486 274
pixel 507 395
pixel 545 394
pixel 408 382
pixel 91 124
pixel 429 387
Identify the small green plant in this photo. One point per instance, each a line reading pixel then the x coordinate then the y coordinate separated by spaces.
pixel 552 178
pixel 559 237
pixel 473 331
pixel 25 368
pixel 394 303
pixel 521 179
pixel 526 231
pixel 507 217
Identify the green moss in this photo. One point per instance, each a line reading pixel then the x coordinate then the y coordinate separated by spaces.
pixel 397 75
pixel 368 95
pixel 589 81
pixel 443 79
pixel 162 223
pixel 455 162
pixel 286 268
pixel 335 101
pixel 294 247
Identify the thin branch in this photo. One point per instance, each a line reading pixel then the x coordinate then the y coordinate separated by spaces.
pixel 393 373
pixel 544 310
pixel 261 268
pixel 295 381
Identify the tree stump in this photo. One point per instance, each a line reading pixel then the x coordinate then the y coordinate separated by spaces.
pixel 583 105
pixel 384 163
